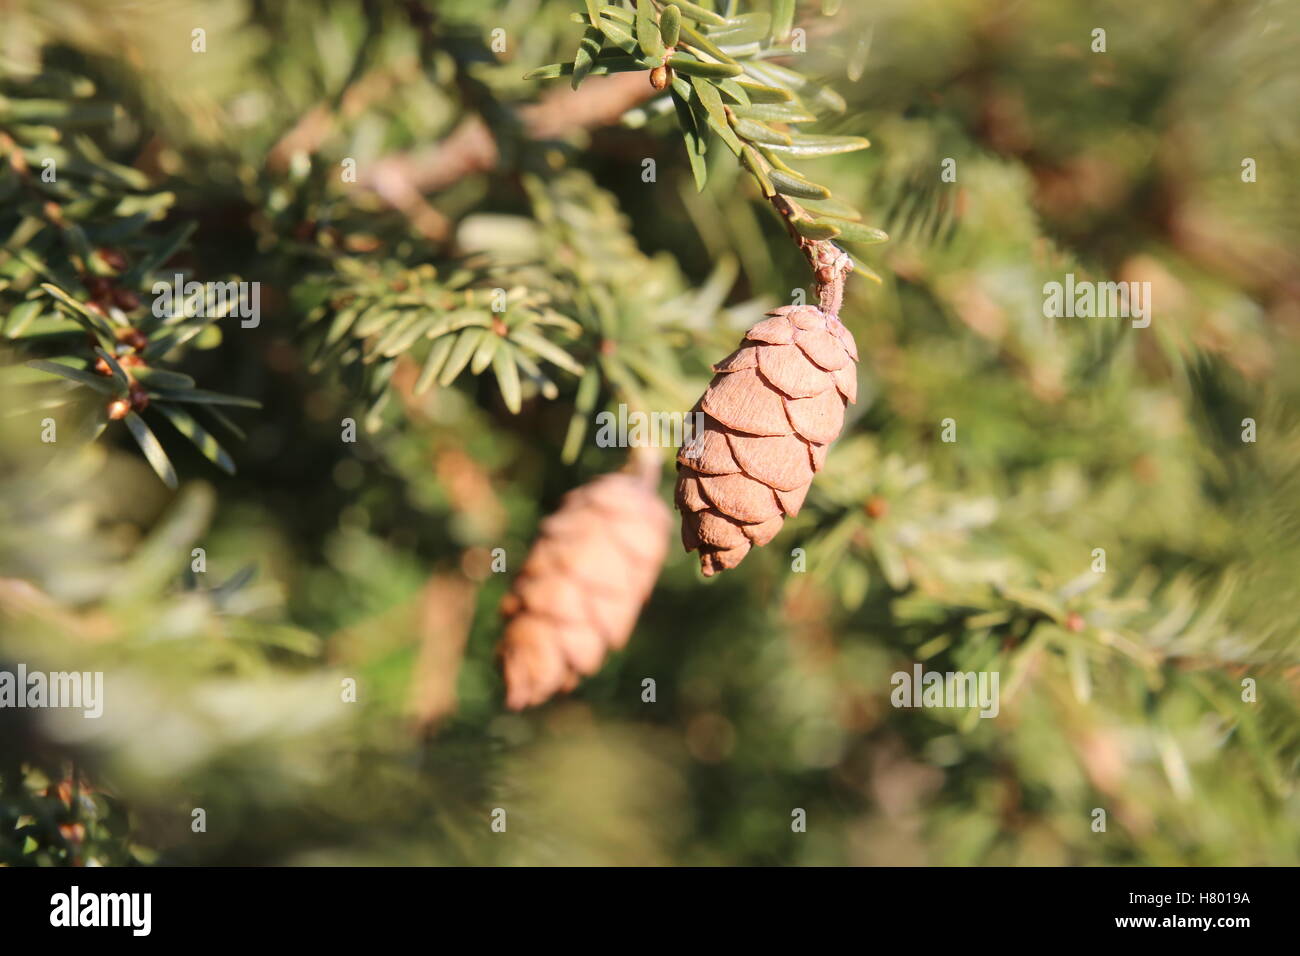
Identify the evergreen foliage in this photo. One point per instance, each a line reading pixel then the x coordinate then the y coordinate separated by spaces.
pixel 461 250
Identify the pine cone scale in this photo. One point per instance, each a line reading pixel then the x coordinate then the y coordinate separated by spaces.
pixel 818 419
pixel 763 532
pixel 792 371
pixel 743 401
pixel 743 498
pixel 846 380
pixel 742 358
pixel 709 452
pixel 782 462
pixel 773 331
pixel 792 501
pixel 822 347
pixel 720 530
pixel 846 339
pixel 688 496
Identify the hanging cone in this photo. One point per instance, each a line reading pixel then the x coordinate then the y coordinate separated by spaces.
pixel 582 585
pixel 769 414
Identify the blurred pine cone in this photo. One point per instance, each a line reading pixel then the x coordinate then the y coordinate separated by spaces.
pixel 775 405
pixel 582 585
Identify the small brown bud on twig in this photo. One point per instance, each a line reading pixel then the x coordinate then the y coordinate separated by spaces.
pixel 113 258
pixel 133 338
pixel 125 299
pixel 98 286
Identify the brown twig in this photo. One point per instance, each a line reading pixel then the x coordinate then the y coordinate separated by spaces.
pixel 830 264
pixel 318 123
pixel 446 611
pixel 471 148
pixel 402 179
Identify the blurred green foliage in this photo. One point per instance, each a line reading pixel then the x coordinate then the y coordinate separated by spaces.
pixel 326 561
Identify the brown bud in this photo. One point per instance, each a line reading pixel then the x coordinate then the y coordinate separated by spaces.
pixel 139 397
pixel 125 299
pixel 1074 622
pixel 102 367
pixel 133 338
pixel 661 76
pixel 582 585
pixel 97 286
pixel 358 242
pixel 118 409
pixel 876 507
pixel 770 414
pixel 113 258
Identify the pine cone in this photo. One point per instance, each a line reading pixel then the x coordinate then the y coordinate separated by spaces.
pixel 582 585
pixel 775 405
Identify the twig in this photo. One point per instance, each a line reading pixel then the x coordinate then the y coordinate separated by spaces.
pixel 830 264
pixel 471 148
pixel 318 123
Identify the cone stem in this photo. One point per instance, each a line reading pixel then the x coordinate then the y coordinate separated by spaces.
pixel 830 264
pixel 646 464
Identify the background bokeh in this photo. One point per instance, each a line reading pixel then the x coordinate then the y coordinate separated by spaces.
pixel 370 560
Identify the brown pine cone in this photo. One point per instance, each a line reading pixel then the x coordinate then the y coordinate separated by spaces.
pixel 582 585
pixel 770 413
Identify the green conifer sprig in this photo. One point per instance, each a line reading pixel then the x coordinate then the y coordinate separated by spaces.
pixel 79 252
pixel 462 316
pixel 719 74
